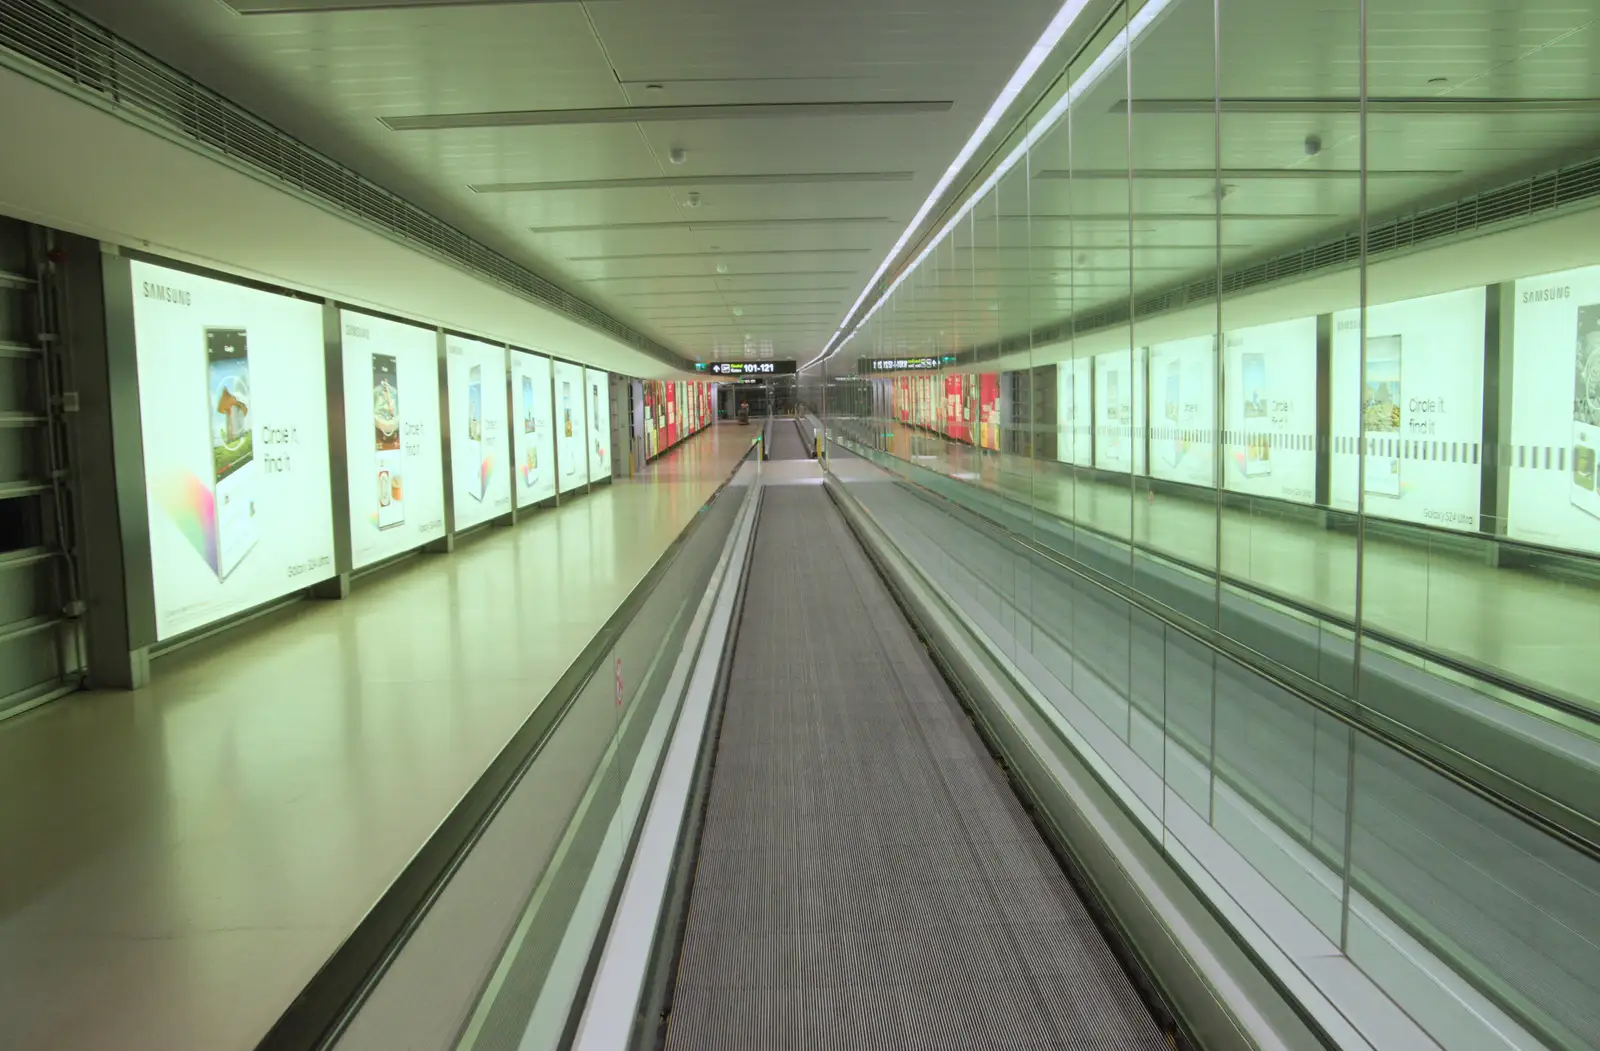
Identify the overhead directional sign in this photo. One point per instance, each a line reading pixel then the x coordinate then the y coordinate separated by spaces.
pixel 900 364
pixel 752 368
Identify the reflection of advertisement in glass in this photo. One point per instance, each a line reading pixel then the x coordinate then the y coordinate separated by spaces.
pixel 1114 408
pixel 388 459
pixel 1258 440
pixel 1172 409
pixel 232 446
pixel 475 423
pixel 1380 415
pixel 1586 411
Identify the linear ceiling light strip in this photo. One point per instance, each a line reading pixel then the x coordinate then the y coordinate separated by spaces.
pixel 1116 50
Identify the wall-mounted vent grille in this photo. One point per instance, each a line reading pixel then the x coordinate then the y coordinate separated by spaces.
pixel 1519 202
pixel 66 50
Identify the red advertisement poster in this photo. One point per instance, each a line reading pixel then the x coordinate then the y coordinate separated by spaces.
pixel 952 408
pixel 672 414
pixel 989 410
pixel 649 419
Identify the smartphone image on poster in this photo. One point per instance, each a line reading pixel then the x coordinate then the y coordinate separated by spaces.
pixel 569 466
pixel 530 453
pixel 1380 412
pixel 233 478
pixel 1586 412
pixel 388 459
pixel 1257 416
pixel 475 423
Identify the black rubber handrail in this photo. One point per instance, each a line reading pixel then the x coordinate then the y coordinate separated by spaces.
pixel 1483 673
pixel 1576 832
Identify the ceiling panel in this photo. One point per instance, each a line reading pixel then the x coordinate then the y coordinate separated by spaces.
pixel 332 78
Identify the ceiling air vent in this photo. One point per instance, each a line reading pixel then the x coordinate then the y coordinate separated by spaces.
pixel 1525 200
pixel 61 48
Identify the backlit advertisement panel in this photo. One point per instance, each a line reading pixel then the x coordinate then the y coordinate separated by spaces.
pixel 233 407
pixel 1554 493
pixel 1119 411
pixel 1183 386
pixel 672 414
pixel 571 431
pixel 480 445
pixel 1270 414
pixel 392 440
pixel 1420 401
pixel 1074 420
pixel 989 410
pixel 533 429
pixel 598 385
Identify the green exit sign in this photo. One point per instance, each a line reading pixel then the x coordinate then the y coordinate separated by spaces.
pixel 699 366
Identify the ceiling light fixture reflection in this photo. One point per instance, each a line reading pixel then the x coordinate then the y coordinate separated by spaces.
pixel 1116 49
pixel 1063 20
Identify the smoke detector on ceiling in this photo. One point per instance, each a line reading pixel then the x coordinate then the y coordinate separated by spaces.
pixel 677 155
pixel 692 201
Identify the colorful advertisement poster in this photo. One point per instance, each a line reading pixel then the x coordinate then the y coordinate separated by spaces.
pixel 572 433
pixel 1183 381
pixel 672 414
pixel 989 410
pixel 392 440
pixel 1270 411
pixel 598 385
pixel 955 415
pixel 532 429
pixel 480 447
pixel 234 419
pixel 1074 421
pixel 1119 411
pixel 1415 411
pixel 1554 488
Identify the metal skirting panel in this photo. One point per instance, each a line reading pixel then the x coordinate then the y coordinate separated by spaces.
pixel 866 877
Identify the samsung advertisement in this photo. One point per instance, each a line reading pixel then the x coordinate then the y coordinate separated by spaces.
pixel 533 437
pixel 1270 418
pixel 571 430
pixel 233 411
pixel 1074 422
pixel 1555 418
pixel 1183 399
pixel 480 449
pixel 1414 407
pixel 597 388
pixel 1119 411
pixel 391 412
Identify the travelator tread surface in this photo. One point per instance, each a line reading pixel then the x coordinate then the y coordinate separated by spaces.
pixel 866 877
pixel 786 443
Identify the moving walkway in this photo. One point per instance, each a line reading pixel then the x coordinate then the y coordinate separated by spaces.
pixel 810 789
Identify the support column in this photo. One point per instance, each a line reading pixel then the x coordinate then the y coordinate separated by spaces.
pixel 118 577
pixel 338 586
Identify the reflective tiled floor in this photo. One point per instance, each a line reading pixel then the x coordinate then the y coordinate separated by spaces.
pixel 176 863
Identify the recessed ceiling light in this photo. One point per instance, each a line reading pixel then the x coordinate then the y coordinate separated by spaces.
pixel 722 268
pixel 738 311
pixel 1438 80
pixel 655 87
